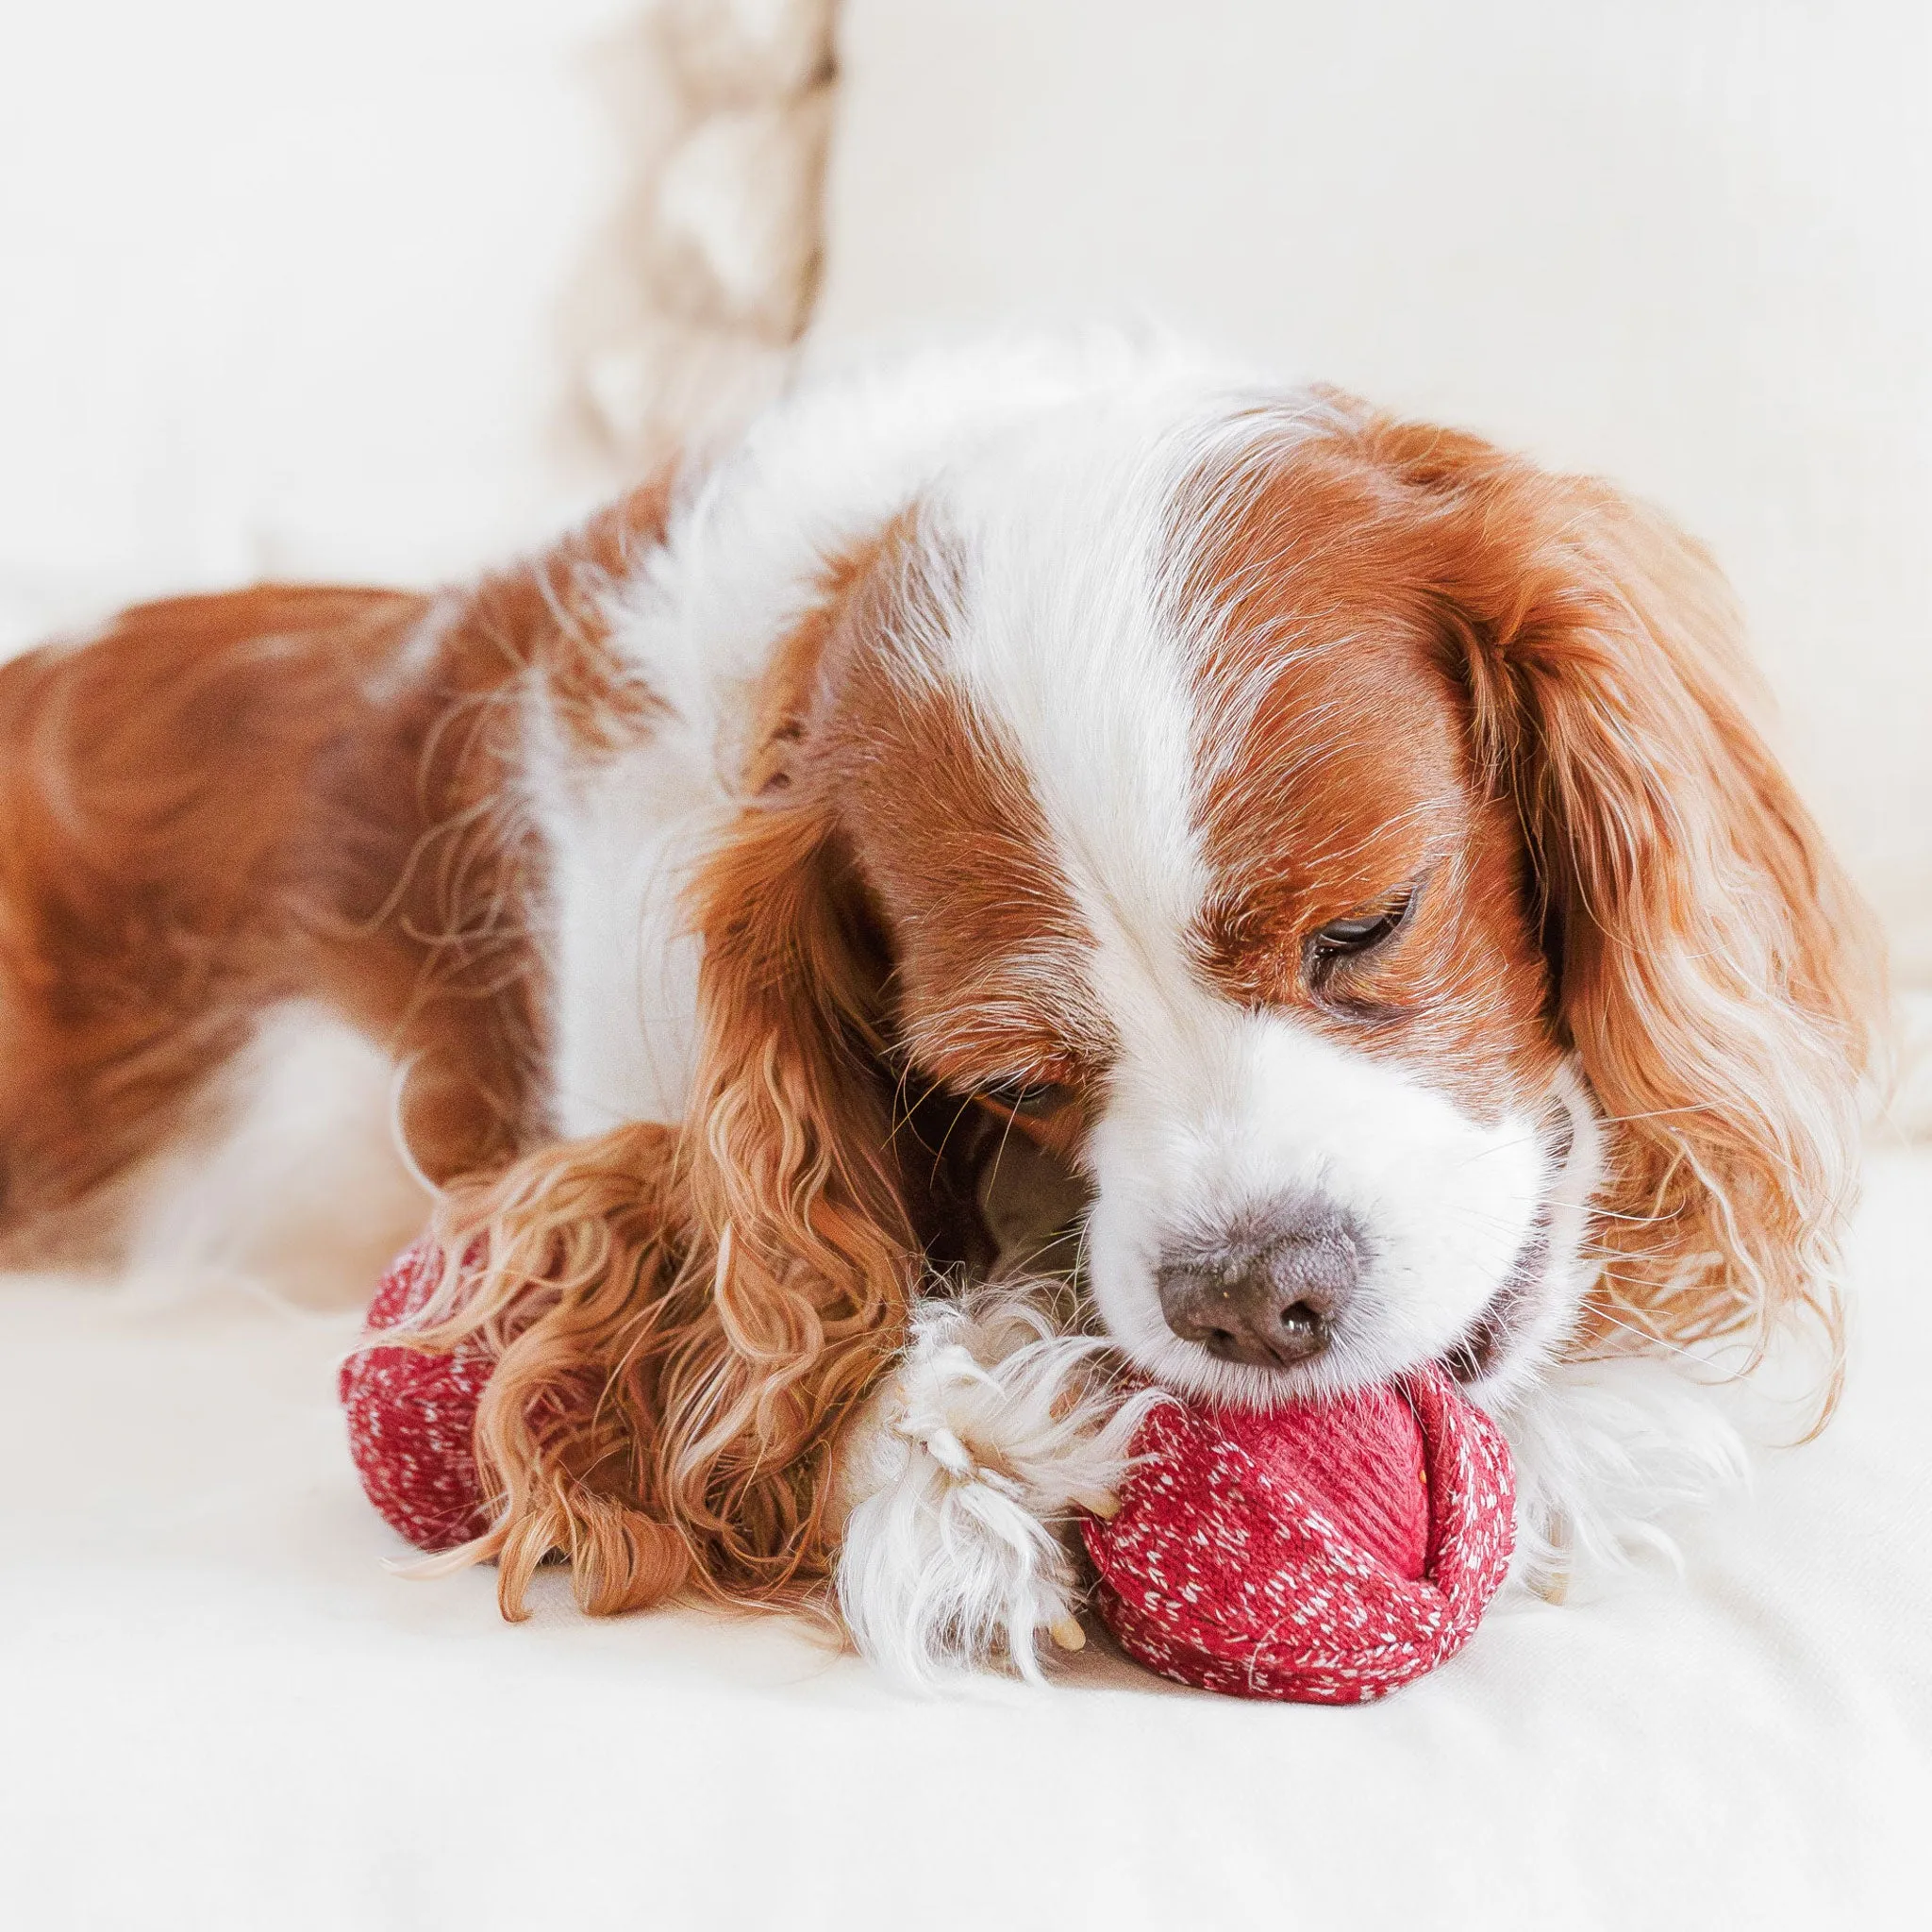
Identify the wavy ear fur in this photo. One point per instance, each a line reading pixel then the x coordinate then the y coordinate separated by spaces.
pixel 802 1242
pixel 687 1318
pixel 1717 975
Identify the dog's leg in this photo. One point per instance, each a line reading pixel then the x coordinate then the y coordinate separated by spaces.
pixel 963 1479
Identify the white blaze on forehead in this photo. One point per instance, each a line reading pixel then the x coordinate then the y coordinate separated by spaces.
pixel 1064 640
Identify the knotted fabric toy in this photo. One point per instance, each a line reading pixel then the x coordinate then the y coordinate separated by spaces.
pixel 1321 1553
pixel 1324 1553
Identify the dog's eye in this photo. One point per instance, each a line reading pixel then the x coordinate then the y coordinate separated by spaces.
pixel 1361 932
pixel 1033 1100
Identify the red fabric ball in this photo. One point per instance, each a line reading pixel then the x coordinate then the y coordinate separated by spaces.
pixel 412 1417
pixel 1323 1552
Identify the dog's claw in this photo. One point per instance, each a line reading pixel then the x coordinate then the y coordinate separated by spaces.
pixel 1066 1633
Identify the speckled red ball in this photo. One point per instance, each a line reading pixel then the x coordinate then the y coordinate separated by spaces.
pixel 412 1417
pixel 1323 1552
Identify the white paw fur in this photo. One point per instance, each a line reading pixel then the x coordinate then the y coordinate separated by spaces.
pixel 965 1476
pixel 1604 1448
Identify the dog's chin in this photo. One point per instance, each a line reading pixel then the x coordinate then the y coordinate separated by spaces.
pixel 1521 1329
pixel 1518 1334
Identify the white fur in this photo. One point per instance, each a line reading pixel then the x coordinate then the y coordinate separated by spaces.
pixel 621 832
pixel 1546 1314
pixel 254 1188
pixel 963 1481
pixel 1603 1450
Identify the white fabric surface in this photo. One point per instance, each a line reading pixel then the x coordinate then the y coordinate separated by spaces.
pixel 1680 243
pixel 220 1710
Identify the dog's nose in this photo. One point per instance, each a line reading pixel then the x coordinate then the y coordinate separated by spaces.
pixel 1270 1296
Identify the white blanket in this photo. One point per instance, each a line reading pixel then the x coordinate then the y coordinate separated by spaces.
pixel 220 1708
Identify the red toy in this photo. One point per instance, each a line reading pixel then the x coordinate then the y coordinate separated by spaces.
pixel 1325 1553
pixel 411 1415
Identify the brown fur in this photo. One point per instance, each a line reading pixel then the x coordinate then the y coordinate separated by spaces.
pixel 222 803
pixel 1350 778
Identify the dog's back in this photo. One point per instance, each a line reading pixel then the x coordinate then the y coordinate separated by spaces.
pixel 211 808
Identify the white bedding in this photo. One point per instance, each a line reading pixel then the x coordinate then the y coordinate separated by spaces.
pixel 221 1709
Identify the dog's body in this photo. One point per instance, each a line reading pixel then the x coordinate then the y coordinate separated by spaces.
pixel 1341 847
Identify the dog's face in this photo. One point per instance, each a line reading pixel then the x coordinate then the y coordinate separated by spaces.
pixel 1181 853
pixel 1305 826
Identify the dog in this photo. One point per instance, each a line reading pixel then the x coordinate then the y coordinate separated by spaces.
pixel 1030 877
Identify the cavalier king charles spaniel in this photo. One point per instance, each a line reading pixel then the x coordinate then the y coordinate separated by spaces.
pixel 1030 879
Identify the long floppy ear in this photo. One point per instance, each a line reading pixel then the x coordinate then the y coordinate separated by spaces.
pixel 685 1319
pixel 1717 975
pixel 803 1259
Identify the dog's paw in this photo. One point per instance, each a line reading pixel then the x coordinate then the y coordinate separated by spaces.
pixel 961 1481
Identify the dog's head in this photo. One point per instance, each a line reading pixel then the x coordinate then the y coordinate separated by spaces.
pixel 1346 847
pixel 1342 844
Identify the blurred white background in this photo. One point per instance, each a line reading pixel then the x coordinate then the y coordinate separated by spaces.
pixel 278 283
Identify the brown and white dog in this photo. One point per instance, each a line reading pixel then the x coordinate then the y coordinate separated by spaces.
pixel 1340 848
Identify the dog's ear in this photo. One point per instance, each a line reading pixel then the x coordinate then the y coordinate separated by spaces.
pixel 687 1317
pixel 803 1256
pixel 1715 975
pixel 563 1272
pixel 684 1318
